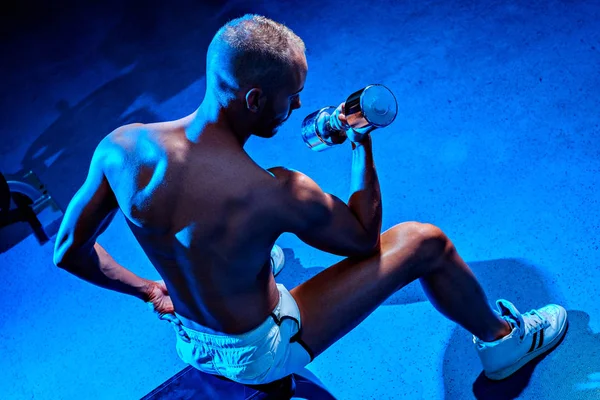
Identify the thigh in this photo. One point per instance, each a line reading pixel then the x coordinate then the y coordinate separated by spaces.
pixel 336 300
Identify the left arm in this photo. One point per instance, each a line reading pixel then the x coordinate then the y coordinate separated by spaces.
pixel 88 215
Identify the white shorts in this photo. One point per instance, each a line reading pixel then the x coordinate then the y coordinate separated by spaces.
pixel 269 352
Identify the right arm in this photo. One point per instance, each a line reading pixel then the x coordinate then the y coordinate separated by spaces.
pixel 324 221
pixel 365 200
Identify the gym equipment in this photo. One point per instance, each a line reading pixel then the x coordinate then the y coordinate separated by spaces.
pixel 372 107
pixel 24 198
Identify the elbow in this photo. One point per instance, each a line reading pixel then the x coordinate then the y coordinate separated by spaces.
pixel 69 264
pixel 59 260
pixel 374 245
pixel 369 246
pixel 70 258
pixel 62 257
pixel 60 250
pixel 65 260
pixel 377 245
pixel 64 252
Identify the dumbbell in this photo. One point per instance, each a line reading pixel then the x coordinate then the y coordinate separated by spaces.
pixel 367 109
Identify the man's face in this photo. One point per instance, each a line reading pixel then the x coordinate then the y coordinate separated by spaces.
pixel 279 105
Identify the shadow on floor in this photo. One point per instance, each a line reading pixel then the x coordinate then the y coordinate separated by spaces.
pixel 526 286
pixel 572 373
pixel 160 51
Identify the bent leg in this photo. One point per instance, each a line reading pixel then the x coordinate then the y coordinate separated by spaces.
pixel 336 300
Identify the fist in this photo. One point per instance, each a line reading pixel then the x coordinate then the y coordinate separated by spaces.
pixel 355 135
pixel 158 298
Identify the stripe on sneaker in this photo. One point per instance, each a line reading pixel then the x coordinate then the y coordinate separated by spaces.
pixel 533 344
pixel 541 339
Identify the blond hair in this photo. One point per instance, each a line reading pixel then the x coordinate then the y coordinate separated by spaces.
pixel 252 51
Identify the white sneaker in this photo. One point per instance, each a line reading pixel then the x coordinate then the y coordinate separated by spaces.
pixel 277 259
pixel 533 334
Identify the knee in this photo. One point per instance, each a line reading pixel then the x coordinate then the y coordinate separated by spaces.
pixel 427 242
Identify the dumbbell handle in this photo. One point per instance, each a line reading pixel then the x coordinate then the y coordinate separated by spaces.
pixel 335 123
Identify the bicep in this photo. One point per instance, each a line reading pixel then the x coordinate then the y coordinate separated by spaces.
pixel 324 221
pixel 87 215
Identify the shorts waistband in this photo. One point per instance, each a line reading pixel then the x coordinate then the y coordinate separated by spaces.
pixel 199 332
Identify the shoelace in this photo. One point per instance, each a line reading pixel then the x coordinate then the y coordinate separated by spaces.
pixel 533 319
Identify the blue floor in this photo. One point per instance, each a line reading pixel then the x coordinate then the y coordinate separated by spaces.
pixel 497 142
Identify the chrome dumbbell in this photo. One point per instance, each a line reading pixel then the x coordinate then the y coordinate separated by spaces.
pixel 372 107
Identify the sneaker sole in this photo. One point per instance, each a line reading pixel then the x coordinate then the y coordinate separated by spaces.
pixel 508 371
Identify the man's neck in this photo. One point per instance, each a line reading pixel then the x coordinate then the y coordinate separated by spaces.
pixel 220 119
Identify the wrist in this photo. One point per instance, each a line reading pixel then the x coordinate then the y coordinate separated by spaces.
pixel 144 290
pixel 364 142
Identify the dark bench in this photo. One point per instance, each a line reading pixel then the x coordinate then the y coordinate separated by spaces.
pixel 193 384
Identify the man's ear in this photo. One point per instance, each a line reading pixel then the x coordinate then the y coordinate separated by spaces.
pixel 254 99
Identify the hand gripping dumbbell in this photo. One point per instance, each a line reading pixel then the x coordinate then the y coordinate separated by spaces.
pixel 370 108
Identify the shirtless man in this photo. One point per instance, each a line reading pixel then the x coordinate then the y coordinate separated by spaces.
pixel 207 216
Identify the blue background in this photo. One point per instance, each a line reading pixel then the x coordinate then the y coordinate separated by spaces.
pixel 497 142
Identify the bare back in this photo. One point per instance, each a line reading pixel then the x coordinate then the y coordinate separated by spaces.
pixel 204 215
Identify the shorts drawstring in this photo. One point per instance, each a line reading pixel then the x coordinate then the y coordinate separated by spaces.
pixel 174 321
